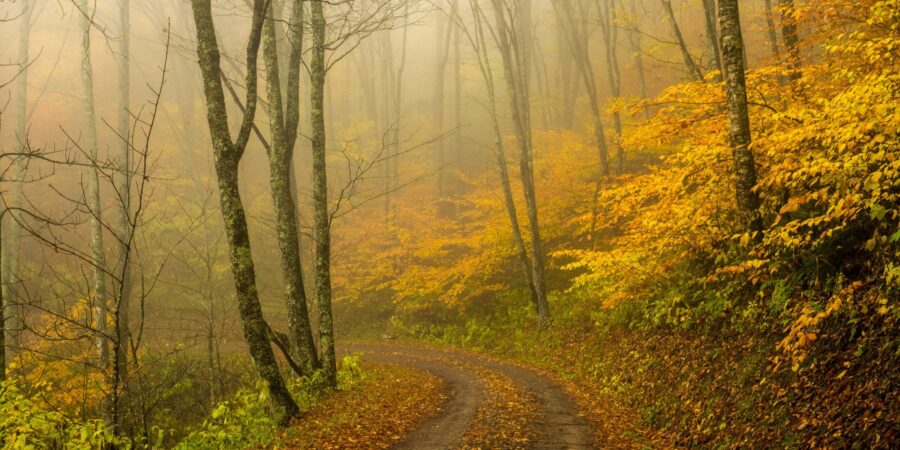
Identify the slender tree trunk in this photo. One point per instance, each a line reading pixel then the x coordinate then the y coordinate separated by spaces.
pixel 484 64
pixel 10 263
pixel 398 108
pixel 283 123
pixel 444 31
pixel 577 41
pixel 100 306
pixel 770 27
pixel 712 35
pixel 121 309
pixel 320 196
pixel 613 74
pixel 2 316
pixel 689 62
pixel 227 156
pixel 513 68
pixel 738 115
pixel 634 38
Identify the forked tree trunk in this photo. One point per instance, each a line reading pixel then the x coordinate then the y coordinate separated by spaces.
pixel 513 69
pixel 284 114
pixel 227 156
pixel 484 64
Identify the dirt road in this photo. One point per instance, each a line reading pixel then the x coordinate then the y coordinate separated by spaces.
pixel 475 414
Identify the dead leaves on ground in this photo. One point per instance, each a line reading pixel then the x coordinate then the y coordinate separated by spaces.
pixel 374 415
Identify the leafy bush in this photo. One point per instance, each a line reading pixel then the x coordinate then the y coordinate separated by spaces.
pixel 245 421
pixel 25 425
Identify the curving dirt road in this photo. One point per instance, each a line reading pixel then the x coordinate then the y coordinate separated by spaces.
pixel 554 424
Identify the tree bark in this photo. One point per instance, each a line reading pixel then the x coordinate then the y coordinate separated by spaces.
pixel 738 115
pixel 227 156
pixel 320 196
pixel 283 123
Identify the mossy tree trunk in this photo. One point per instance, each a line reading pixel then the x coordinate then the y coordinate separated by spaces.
pixel 284 117
pixel 318 71
pixel 227 155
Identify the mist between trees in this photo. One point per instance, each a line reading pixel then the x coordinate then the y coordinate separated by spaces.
pixel 200 197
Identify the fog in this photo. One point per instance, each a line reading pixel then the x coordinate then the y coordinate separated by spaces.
pixel 410 153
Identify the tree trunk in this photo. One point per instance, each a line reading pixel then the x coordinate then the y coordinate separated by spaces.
pixel 738 115
pixel 634 38
pixel 577 38
pixel 614 75
pixel 487 73
pixel 99 306
pixel 444 31
pixel 123 191
pixel 9 267
pixel 689 62
pixel 712 35
pixel 770 27
pixel 227 156
pixel 320 196
pixel 513 69
pixel 283 123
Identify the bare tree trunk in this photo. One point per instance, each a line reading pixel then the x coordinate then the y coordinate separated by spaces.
pixel 738 115
pixel 12 252
pixel 227 155
pixel 712 35
pixel 444 31
pixel 577 38
pixel 484 64
pixel 320 196
pixel 123 191
pixel 100 306
pixel 514 66
pixel 284 113
pixel 610 40
pixel 689 62
pixel 398 108
pixel 634 38
pixel 770 27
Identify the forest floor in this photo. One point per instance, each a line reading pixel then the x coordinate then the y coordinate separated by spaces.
pixel 489 403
